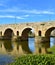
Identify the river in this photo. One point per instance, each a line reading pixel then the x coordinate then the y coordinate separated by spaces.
pixel 7 46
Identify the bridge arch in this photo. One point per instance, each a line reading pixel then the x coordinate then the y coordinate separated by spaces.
pixel 11 28
pixel 48 36
pixel 25 29
pixel 25 32
pixel 8 33
pixel 25 37
pixel 48 31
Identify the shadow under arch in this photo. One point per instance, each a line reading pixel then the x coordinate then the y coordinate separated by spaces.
pixel 24 40
pixel 48 35
pixel 25 33
pixel 8 34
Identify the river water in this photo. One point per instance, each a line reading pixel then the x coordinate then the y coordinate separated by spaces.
pixel 7 46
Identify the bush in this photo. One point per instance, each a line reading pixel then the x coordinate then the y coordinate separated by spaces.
pixel 35 60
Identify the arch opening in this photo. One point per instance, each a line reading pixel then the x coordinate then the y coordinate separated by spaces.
pixel 28 39
pixel 8 34
pixel 39 33
pixel 17 33
pixel 50 34
pixel 0 33
pixel 25 33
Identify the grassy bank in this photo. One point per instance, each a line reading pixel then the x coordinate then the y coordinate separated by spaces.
pixel 48 59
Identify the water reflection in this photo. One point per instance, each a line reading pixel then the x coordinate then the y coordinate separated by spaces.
pixel 9 47
pixel 52 41
pixel 6 59
pixel 31 44
pixel 25 46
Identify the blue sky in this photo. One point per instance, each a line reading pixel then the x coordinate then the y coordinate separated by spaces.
pixel 22 11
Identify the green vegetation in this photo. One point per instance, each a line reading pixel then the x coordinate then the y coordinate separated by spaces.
pixel 48 59
pixel 52 49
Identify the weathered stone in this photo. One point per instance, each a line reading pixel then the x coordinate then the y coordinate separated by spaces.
pixel 42 31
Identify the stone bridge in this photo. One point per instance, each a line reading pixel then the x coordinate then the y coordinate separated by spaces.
pixel 42 32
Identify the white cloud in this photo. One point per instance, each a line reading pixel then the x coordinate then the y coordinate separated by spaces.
pixel 16 9
pixel 19 17
pixel 33 11
pixel 9 16
pixel 48 12
pixel 7 10
pixel 38 12
pixel 28 11
pixel 26 15
pixel 6 16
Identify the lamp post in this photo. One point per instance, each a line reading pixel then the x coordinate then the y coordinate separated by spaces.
pixel 15 19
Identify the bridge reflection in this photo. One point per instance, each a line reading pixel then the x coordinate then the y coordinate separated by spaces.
pixel 14 48
pixel 21 46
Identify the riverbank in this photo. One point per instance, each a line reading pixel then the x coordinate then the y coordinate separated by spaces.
pixel 47 59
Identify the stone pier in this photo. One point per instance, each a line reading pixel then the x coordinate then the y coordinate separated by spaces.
pixel 41 45
pixel 42 32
